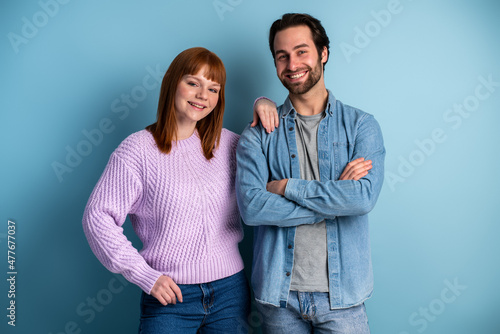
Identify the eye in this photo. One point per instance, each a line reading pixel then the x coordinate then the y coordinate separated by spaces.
pixel 213 90
pixel 192 83
pixel 301 52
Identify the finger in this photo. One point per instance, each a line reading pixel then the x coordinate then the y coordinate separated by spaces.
pixel 360 171
pixel 265 121
pixel 169 296
pixel 271 112
pixel 360 168
pixel 177 291
pixel 255 120
pixel 276 118
pixel 160 298
pixel 349 167
pixel 269 122
pixel 355 167
pixel 352 164
pixel 359 176
pixel 268 186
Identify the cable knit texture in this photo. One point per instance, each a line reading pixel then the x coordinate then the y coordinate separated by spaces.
pixel 181 205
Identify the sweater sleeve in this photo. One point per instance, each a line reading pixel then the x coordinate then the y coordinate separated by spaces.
pixel 117 193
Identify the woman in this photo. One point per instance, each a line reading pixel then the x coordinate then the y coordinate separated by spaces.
pixel 176 180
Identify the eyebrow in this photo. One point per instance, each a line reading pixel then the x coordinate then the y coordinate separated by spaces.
pixel 192 76
pixel 303 45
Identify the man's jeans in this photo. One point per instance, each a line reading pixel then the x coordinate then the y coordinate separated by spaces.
pixel 309 312
pixel 220 306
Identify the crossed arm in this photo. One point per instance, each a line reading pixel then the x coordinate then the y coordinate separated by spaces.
pixel 292 202
pixel 265 111
pixel 354 170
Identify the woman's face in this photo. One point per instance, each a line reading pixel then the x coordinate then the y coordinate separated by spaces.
pixel 195 98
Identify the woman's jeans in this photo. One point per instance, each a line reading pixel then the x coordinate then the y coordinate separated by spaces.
pixel 220 306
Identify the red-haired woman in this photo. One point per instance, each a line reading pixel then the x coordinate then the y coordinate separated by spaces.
pixel 176 181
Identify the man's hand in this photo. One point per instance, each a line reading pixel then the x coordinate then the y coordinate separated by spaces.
pixel 166 291
pixel 356 169
pixel 265 111
pixel 277 187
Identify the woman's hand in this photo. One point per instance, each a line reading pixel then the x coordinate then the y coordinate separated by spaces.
pixel 166 291
pixel 356 169
pixel 265 111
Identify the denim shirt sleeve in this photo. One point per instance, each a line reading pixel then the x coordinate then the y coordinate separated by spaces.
pixel 258 206
pixel 346 197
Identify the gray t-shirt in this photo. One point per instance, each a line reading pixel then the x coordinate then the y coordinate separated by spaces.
pixel 310 257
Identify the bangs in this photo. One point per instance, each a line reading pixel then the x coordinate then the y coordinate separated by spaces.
pixel 214 68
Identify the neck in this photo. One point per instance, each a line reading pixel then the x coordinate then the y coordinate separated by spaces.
pixel 184 131
pixel 311 103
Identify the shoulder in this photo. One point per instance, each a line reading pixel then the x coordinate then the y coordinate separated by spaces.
pixel 133 148
pixel 359 123
pixel 228 137
pixel 349 110
pixel 353 116
pixel 137 140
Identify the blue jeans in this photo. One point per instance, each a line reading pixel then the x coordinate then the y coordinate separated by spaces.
pixel 220 306
pixel 309 312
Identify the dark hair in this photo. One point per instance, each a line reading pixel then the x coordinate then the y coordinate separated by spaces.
pixel 189 61
pixel 292 20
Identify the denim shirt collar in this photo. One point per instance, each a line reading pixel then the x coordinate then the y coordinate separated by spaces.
pixel 288 108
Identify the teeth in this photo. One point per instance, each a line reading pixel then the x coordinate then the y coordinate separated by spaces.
pixel 296 76
pixel 196 105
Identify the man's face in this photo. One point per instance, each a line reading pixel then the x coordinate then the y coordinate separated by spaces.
pixel 298 64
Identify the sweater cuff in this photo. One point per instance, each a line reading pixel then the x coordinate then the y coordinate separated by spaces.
pixel 295 190
pixel 144 276
pixel 263 98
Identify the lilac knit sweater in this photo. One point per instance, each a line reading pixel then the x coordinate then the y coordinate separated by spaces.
pixel 182 207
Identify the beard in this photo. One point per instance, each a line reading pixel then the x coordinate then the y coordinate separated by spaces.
pixel 314 75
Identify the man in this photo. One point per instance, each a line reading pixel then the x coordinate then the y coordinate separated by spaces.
pixel 307 190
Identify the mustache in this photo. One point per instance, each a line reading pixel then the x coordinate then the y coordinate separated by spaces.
pixel 306 68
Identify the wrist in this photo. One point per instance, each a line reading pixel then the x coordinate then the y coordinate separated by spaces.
pixel 263 98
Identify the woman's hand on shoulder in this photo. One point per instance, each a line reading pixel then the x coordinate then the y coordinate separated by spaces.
pixel 166 291
pixel 265 110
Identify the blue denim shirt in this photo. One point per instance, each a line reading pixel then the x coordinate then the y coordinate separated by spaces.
pixel 346 133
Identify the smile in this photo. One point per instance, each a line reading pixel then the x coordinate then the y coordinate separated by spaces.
pixel 297 75
pixel 200 106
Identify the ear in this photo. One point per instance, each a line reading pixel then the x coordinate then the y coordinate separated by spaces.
pixel 324 55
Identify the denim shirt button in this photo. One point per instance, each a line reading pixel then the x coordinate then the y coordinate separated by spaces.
pixel 288 273
pixel 289 246
pixel 293 155
pixel 290 128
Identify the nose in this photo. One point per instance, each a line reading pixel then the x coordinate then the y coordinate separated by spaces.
pixel 293 63
pixel 202 94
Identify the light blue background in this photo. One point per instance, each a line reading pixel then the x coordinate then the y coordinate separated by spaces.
pixel 435 222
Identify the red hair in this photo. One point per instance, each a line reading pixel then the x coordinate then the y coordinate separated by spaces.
pixel 189 62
